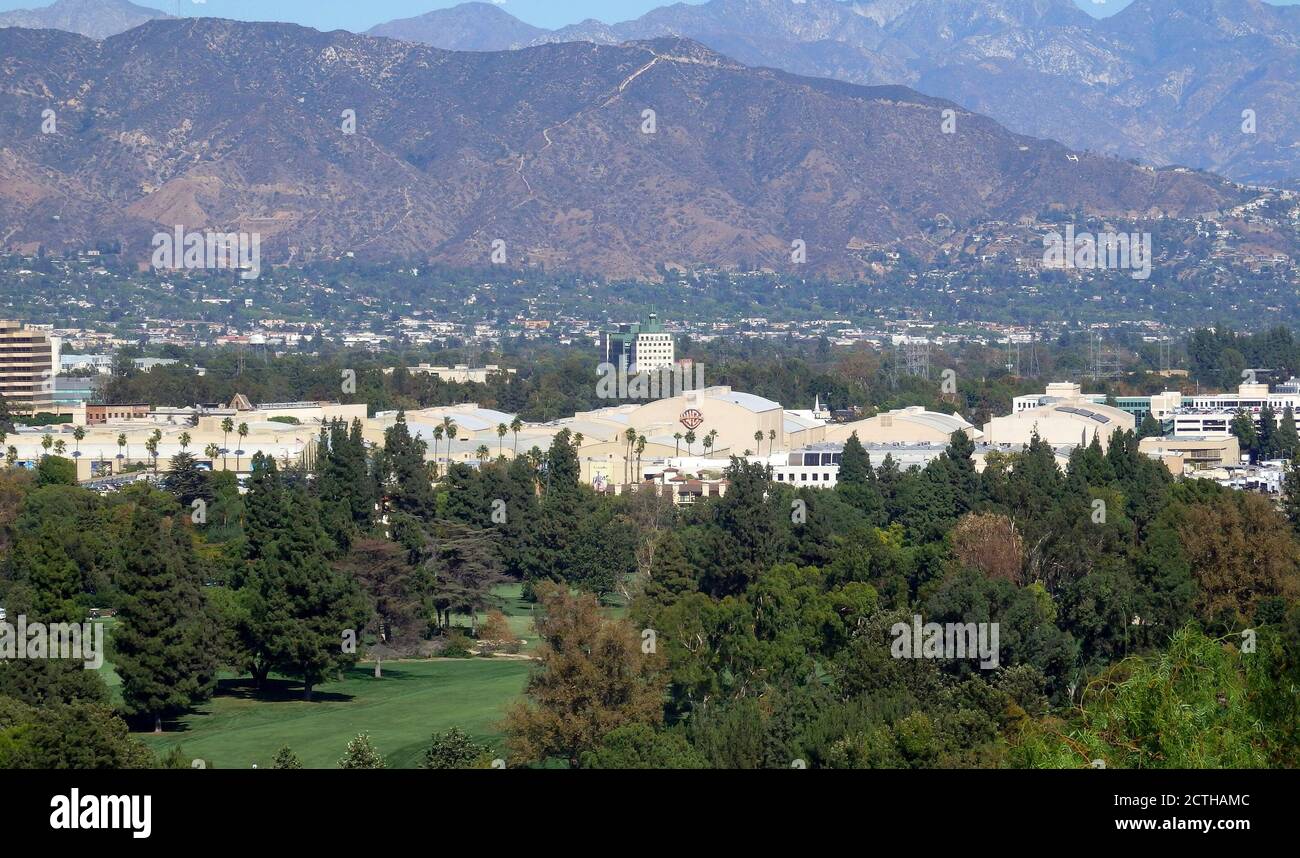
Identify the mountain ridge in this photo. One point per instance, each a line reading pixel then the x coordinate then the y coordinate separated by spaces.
pixel 543 148
pixel 1041 67
pixel 95 19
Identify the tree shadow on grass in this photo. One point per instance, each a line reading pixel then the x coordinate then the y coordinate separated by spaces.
pixel 366 672
pixel 275 690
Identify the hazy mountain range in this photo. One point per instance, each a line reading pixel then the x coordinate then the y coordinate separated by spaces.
pixel 544 148
pixel 97 19
pixel 1166 81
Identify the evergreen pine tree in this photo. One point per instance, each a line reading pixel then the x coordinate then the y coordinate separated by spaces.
pixel 964 480
pixel 1291 491
pixel 1286 442
pixel 300 605
pixel 855 464
pixel 563 506
pixel 1247 437
pixel 264 512
pixel 467 500
pixel 404 472
pixel 1267 432
pixel 163 641
pixel 1150 427
pixel 362 754
pixel 749 530
pixel 187 481
pixel 355 472
pixel 453 749
pixel 6 419
pixel 671 576
pixel 49 580
pixel 286 759
pixel 296 605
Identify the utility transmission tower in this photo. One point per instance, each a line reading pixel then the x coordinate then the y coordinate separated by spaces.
pixel 917 356
pixel 1102 360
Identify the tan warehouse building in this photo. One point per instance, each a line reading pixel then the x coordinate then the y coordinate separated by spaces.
pixel 1183 455
pixel 913 425
pixel 1060 421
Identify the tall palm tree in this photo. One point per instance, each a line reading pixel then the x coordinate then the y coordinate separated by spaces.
pixel 242 432
pixel 771 439
pixel 449 429
pixel 630 437
pixel 184 440
pixel 709 440
pixel 515 426
pixel 501 438
pixel 690 439
pixel 758 438
pixel 640 448
pixel 47 441
pixel 677 446
pixel 437 438
pixel 152 447
pixel 78 434
pixel 482 453
pixel 535 463
pixel 212 451
pixel 227 426
pixel 59 446
pixel 121 447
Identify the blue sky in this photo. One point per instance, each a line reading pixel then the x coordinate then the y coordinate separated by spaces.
pixel 351 15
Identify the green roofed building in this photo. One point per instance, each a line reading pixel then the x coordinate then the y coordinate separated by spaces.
pixel 643 345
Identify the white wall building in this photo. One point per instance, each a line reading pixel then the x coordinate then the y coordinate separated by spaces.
pixel 1060 422
pixel 1212 414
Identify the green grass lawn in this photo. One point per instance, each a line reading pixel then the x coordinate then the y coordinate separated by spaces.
pixel 413 700
pixel 519 614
